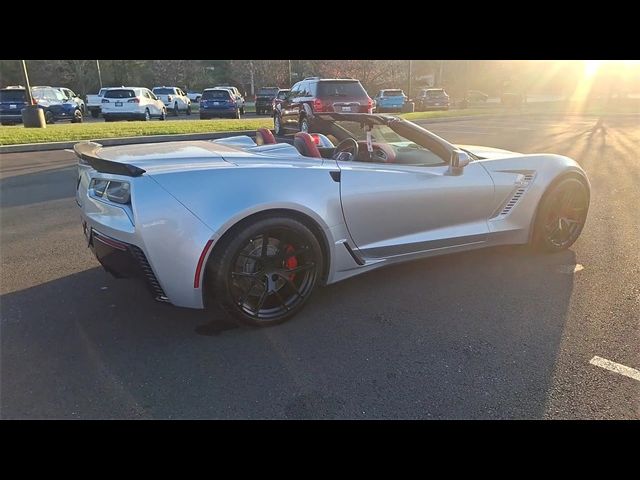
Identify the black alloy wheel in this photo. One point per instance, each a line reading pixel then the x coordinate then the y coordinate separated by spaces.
pixel 267 272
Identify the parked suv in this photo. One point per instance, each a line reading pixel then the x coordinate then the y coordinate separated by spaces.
pixel 313 95
pixel 237 94
pixel 132 103
pixel 432 99
pixel 264 99
pixel 390 100
pixel 219 102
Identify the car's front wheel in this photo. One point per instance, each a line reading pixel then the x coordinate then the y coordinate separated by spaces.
pixel 561 215
pixel 304 125
pixel 265 272
pixel 147 115
pixel 163 114
pixel 77 117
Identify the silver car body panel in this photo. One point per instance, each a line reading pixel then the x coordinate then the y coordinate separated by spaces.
pixel 376 214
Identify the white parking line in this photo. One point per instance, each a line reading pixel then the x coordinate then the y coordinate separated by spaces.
pixel 615 367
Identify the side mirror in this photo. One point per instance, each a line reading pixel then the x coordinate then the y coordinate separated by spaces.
pixel 459 160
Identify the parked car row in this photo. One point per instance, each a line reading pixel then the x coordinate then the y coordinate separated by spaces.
pixel 56 103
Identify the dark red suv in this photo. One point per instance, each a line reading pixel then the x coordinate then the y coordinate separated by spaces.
pixel 313 95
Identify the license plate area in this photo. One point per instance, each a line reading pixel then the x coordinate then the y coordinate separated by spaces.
pixel 118 104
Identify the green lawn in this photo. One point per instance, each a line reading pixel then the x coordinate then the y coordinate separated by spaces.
pixel 61 132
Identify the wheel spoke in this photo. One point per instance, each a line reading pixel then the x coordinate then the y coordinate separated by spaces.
pixel 246 293
pixel 262 299
pixel 281 300
pixel 265 242
pixel 291 284
pixel 252 257
pixel 243 274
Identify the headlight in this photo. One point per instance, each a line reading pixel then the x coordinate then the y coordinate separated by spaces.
pixel 115 191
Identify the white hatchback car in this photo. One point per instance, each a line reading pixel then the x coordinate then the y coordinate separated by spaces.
pixel 132 103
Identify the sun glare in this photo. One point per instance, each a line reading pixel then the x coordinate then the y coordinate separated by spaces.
pixel 591 67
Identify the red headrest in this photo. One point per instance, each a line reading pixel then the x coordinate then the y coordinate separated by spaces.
pixel 305 145
pixel 264 137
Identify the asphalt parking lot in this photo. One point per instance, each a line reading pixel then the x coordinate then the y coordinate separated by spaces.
pixel 491 334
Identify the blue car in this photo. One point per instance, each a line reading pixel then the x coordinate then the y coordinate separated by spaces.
pixel 55 105
pixel 218 102
pixel 390 100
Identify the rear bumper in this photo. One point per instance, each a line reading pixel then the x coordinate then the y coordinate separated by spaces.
pixel 123 115
pixel 123 260
pixel 11 118
pixel 216 112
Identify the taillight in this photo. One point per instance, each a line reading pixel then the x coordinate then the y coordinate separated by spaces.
pixel 318 106
pixel 369 105
pixel 134 100
pixel 316 138
pixel 104 100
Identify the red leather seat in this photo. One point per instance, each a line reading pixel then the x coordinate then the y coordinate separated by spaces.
pixel 305 145
pixel 264 137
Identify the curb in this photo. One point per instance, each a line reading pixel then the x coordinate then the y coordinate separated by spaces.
pixel 108 142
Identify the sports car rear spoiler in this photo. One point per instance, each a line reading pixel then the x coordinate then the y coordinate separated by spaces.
pixel 87 153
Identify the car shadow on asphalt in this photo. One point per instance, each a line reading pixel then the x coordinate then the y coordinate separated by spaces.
pixel 31 188
pixel 470 335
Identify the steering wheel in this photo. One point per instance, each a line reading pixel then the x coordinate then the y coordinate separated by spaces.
pixel 348 145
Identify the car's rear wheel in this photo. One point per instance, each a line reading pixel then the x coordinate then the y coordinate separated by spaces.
pixel 48 117
pixel 265 272
pixel 95 113
pixel 176 110
pixel 189 109
pixel 147 115
pixel 561 215
pixel 277 125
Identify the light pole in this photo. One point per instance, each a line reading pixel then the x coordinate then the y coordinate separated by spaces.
pixel 409 89
pixel 289 72
pixel 99 74
pixel 32 116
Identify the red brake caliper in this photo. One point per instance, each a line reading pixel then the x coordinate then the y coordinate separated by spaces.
pixel 291 262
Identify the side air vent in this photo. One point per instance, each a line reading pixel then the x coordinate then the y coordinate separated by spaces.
pixel 517 195
pixel 147 271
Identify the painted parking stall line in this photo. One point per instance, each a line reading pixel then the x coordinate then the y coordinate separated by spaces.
pixel 615 367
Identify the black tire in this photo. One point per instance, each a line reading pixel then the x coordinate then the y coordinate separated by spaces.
pixel 304 124
pixel 147 115
pixel 95 113
pixel 242 110
pixel 277 125
pixel 285 268
pixel 163 115
pixel 107 118
pixel 77 116
pixel 49 117
pixel 6 124
pixel 561 215
pixel 176 110
pixel 189 109
pixel 237 114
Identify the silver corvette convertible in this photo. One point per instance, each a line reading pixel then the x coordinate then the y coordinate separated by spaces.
pixel 256 225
